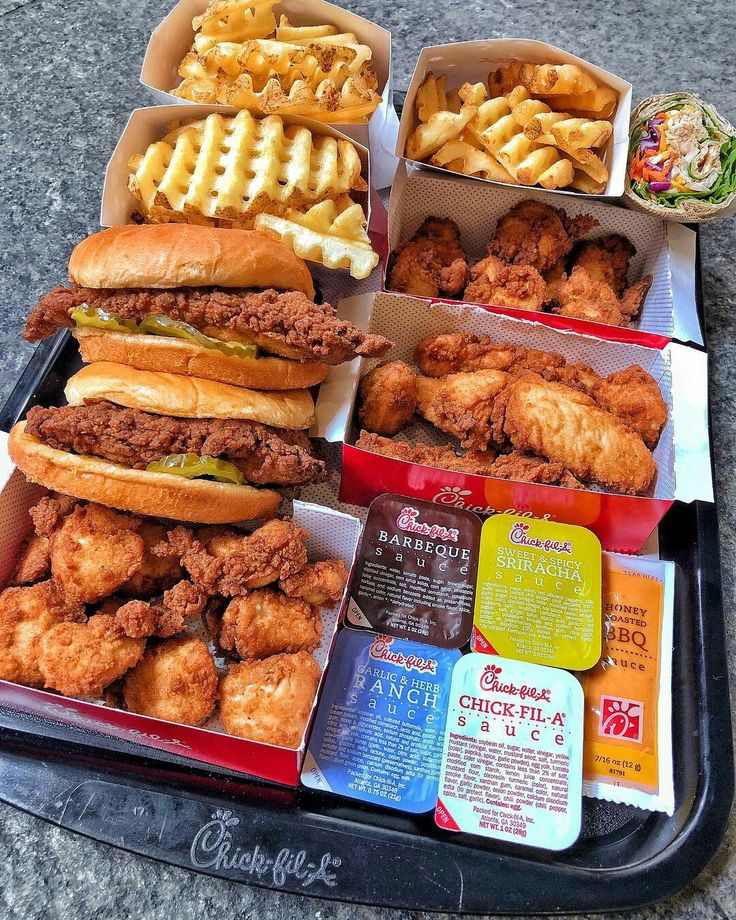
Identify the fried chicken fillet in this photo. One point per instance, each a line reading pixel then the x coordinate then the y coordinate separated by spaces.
pixel 286 324
pixel 81 659
pixel 26 615
pixel 270 700
pixel 519 287
pixel 133 438
pixel 387 398
pixel 175 681
pixel 567 427
pixel 267 622
pixel 536 234
pixel 461 404
pixel 431 263
pixel 480 463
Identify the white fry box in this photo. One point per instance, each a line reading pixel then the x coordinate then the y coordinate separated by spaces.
pixel 172 39
pixel 150 124
pixel 472 61
pixel 332 534
pixel 622 522
pixel 664 250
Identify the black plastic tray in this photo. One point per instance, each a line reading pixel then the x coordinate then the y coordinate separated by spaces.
pixel 162 806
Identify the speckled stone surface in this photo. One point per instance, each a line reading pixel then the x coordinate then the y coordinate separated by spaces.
pixel 69 77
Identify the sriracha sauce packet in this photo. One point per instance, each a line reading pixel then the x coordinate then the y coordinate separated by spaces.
pixel 378 732
pixel 415 572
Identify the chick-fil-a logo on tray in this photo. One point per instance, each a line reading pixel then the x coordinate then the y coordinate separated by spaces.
pixel 381 650
pixel 407 520
pixel 519 534
pixel 489 681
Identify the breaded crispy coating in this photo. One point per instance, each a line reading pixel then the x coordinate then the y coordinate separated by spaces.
pixel 528 468
pixel 519 287
pixel 461 404
pixel 452 352
pixel 318 583
pixel 606 259
pixel 267 622
pixel 82 659
pixel 33 562
pixel 26 615
pixel 175 680
pixel 180 604
pixel 270 700
pixel 477 462
pixel 156 573
pixel 634 396
pixel 431 263
pixel 387 398
pixel 50 511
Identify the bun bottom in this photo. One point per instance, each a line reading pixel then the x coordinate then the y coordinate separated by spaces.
pixel 177 356
pixel 155 494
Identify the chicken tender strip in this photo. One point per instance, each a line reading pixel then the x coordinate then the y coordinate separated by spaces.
pixel 270 700
pixel 82 659
pixel 387 398
pixel 180 604
pixel 175 681
pixel 448 353
pixel 479 463
pixel 567 427
pixel 266 622
pixel 287 324
pixel 133 438
pixel 26 615
pixel 461 404
pixel 319 583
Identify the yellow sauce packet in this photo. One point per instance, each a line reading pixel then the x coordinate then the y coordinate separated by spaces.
pixel 538 597
pixel 628 695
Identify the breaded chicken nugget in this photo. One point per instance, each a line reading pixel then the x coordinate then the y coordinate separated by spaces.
pixel 387 398
pixel 156 573
pixel 26 614
pixel 82 659
pixel 320 583
pixel 33 562
pixel 175 681
pixel 270 700
pixel 267 622
pixel 94 552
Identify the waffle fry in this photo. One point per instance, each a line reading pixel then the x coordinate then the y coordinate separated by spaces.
pixel 562 128
pixel 233 21
pixel 331 233
pixel 233 168
pixel 440 128
pixel 542 79
pixel 431 97
pixel 600 103
pixel 460 156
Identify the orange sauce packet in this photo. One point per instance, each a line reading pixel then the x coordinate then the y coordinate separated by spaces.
pixel 628 695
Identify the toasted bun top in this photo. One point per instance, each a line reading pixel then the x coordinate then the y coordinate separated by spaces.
pixel 188 397
pixel 184 255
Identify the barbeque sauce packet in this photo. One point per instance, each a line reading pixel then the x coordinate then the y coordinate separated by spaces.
pixel 539 593
pixel 415 572
pixel 379 727
pixel 628 696
pixel 513 753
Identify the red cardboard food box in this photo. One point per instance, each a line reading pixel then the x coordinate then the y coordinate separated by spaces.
pixel 622 522
pixel 331 534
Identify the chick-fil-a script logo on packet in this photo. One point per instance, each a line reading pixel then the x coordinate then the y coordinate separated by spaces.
pixel 489 681
pixel 407 521
pixel 381 650
pixel 519 535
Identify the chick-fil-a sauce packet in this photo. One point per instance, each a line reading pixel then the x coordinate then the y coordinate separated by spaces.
pixel 380 722
pixel 539 593
pixel 628 696
pixel 415 572
pixel 513 753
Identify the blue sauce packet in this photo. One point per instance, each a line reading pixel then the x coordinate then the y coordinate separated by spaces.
pixel 379 728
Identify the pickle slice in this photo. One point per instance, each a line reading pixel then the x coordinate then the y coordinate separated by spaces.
pixel 97 318
pixel 164 325
pixel 192 466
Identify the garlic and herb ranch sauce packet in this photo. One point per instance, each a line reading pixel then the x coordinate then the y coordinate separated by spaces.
pixel 539 593
pixel 380 722
pixel 628 695
pixel 513 752
pixel 415 572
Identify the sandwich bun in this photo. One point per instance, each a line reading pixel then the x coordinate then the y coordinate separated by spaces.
pixel 178 356
pixel 188 397
pixel 156 494
pixel 186 255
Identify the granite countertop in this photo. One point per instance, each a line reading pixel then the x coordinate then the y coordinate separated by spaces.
pixel 70 79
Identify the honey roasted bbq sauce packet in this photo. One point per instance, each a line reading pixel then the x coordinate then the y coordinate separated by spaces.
pixel 628 694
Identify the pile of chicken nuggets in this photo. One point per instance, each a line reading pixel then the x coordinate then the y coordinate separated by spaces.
pixel 170 621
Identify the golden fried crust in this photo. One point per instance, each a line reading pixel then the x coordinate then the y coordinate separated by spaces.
pixel 26 615
pixel 320 583
pixel 583 297
pixel 270 700
pixel 82 659
pixel 534 233
pixel 443 458
pixel 567 427
pixel 387 398
pixel 94 552
pixel 267 622
pixel 461 404
pixel 452 352
pixel 175 681
pixel 156 573
pixel 518 287
pixel 634 396
pixel 33 562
